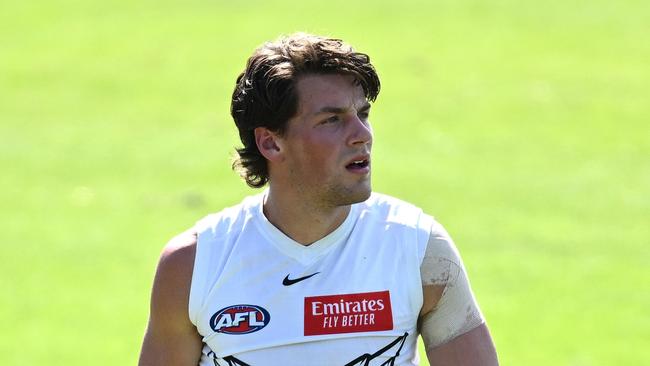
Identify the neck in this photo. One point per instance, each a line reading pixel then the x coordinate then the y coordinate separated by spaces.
pixel 302 220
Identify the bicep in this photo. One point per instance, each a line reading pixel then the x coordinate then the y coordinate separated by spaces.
pixel 450 314
pixel 162 346
pixel 171 338
pixel 474 348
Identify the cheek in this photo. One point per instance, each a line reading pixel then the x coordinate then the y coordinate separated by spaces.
pixel 319 160
pixel 316 154
pixel 320 165
pixel 320 151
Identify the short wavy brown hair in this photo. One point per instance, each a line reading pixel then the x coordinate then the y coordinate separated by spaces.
pixel 265 93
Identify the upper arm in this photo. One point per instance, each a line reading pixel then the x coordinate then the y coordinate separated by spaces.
pixel 171 338
pixel 473 348
pixel 450 321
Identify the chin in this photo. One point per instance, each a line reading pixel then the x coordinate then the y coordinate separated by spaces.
pixel 345 196
pixel 362 196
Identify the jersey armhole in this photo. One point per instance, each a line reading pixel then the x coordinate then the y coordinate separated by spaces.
pixel 425 226
pixel 198 282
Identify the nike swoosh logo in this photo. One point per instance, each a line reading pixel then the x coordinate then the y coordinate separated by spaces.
pixel 289 282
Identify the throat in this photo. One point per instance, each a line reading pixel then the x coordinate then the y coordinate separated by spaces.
pixel 305 226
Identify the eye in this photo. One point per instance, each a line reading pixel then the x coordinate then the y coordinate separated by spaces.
pixel 332 119
pixel 364 115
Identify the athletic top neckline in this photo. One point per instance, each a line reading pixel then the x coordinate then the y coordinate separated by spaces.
pixel 300 252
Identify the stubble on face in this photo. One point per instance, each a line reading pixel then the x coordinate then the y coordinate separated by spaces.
pixel 331 193
pixel 317 154
pixel 340 195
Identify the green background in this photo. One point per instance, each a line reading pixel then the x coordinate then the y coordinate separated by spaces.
pixel 523 126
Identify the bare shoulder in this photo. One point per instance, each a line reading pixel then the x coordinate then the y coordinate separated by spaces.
pixel 174 273
pixel 180 248
pixel 440 267
pixel 451 324
pixel 171 338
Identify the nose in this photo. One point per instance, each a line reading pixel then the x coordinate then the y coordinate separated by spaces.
pixel 361 132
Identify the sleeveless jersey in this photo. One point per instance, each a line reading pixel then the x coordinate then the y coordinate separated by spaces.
pixel 352 298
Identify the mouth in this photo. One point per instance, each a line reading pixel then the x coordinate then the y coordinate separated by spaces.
pixel 359 165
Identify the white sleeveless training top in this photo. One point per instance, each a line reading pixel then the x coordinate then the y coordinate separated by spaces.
pixel 352 298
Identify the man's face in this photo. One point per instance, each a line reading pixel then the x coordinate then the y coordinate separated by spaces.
pixel 327 144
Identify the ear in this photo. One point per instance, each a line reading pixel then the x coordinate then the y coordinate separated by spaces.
pixel 268 143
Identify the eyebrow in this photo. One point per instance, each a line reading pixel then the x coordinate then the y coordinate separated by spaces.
pixel 338 110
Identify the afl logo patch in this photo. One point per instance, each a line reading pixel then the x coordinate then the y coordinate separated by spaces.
pixel 240 319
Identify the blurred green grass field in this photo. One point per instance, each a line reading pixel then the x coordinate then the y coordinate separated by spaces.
pixel 523 126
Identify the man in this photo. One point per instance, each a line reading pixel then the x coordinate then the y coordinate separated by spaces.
pixel 317 269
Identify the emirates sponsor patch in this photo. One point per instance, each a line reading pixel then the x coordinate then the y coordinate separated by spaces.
pixel 348 313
